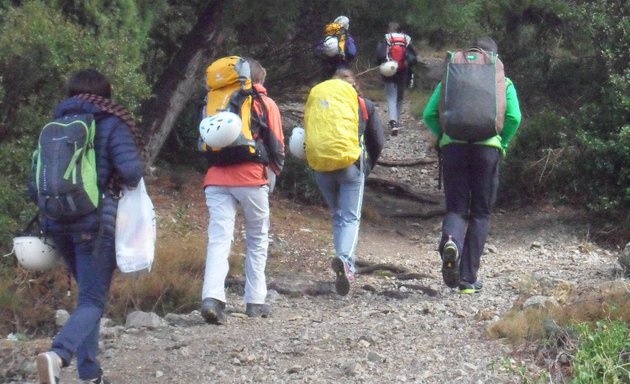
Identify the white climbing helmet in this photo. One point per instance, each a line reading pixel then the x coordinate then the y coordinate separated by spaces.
pixel 389 68
pixel 331 46
pixel 343 21
pixel 220 130
pixel 35 253
pixel 296 142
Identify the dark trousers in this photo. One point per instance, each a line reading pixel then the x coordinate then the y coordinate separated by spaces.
pixel 471 179
pixel 92 269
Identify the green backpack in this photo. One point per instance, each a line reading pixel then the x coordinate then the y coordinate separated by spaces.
pixel 65 168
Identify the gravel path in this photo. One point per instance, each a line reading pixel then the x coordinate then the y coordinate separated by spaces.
pixel 387 330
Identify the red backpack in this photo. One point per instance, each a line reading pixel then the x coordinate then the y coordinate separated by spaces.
pixel 397 49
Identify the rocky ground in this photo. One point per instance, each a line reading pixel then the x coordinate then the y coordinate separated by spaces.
pixel 398 325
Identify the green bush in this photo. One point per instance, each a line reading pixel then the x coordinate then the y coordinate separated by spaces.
pixel 602 355
pixel 39 48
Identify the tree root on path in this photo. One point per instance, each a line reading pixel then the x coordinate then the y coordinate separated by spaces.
pixel 405 163
pixel 317 288
pixel 402 190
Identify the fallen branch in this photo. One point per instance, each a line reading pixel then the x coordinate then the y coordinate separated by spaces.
pixel 364 268
pixel 417 215
pixel 405 163
pixel 402 190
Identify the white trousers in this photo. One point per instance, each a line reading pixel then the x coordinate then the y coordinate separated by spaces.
pixel 222 205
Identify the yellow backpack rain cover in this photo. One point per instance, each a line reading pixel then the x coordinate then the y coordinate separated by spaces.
pixel 331 124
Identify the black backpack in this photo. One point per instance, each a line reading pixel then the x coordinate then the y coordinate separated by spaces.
pixel 65 168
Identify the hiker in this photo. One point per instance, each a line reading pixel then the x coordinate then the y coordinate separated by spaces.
pixel 343 141
pixel 470 158
pixel 87 243
pixel 395 55
pixel 337 49
pixel 241 180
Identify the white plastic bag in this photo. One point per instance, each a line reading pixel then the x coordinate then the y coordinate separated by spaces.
pixel 136 230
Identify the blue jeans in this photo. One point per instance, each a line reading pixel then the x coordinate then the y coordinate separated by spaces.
pixel 470 187
pixel 394 92
pixel 92 263
pixel 343 192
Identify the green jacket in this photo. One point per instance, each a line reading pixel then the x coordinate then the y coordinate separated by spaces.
pixel 431 118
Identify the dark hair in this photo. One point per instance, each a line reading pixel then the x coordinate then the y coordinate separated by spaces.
pixel 487 44
pixel 393 27
pixel 89 81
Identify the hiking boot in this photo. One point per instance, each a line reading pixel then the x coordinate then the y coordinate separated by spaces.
pixel 450 263
pixel 343 275
pixel 394 126
pixel 257 310
pixel 466 287
pixel 213 311
pixel 48 367
pixel 98 380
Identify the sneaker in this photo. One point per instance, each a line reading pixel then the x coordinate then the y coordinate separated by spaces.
pixel 395 127
pixel 343 275
pixel 98 380
pixel 257 310
pixel 466 287
pixel 213 311
pixel 450 263
pixel 48 367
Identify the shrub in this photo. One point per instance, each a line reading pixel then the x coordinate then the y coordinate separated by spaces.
pixel 602 355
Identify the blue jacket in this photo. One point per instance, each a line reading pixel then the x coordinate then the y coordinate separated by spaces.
pixel 115 151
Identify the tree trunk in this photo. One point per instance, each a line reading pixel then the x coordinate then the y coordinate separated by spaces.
pixel 180 80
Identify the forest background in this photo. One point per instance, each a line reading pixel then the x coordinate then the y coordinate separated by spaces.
pixel 568 59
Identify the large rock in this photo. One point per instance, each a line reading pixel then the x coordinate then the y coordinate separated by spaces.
pixel 624 259
pixel 139 319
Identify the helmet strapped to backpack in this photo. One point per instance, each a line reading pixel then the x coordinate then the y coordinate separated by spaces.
pixel 220 130
pixel 230 90
pixel 35 253
pixel 334 40
pixel 296 142
pixel 388 68
pixel 331 46
pixel 397 48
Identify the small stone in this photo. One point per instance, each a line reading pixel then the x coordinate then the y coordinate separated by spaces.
pixel 294 369
pixel 375 357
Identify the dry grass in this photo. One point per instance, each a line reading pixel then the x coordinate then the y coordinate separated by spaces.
pixel 610 301
pixel 174 284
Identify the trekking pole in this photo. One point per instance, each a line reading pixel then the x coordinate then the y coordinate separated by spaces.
pixel 366 71
pixel 440 165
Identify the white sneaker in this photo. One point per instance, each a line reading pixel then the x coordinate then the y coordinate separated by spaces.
pixel 48 367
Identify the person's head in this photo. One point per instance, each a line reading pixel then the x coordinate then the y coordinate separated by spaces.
pixel 257 71
pixel 487 44
pixel 393 27
pixel 343 21
pixel 347 75
pixel 88 81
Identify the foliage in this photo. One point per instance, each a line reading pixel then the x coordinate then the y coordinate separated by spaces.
pixel 602 355
pixel 38 50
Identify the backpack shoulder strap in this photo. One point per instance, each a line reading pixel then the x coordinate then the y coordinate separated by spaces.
pixel 364 111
